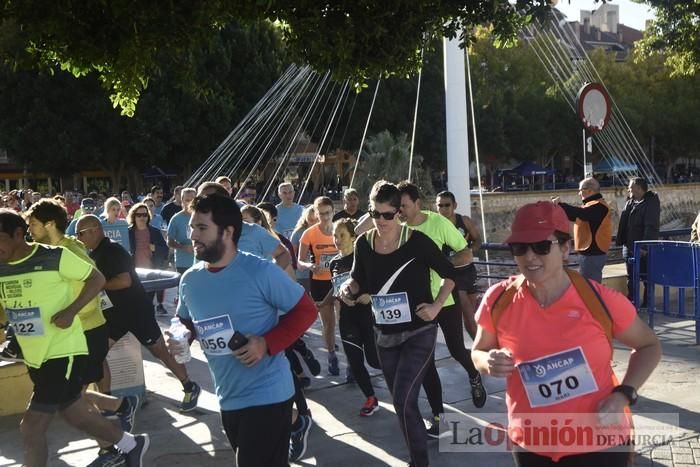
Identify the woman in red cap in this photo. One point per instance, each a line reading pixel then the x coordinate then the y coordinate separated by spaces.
pixel 548 331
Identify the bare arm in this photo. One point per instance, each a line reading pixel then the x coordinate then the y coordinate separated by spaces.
pixel 301 258
pixel 281 256
pixel 474 233
pixel 488 358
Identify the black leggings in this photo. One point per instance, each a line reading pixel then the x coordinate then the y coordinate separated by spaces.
pixel 299 397
pixel 357 334
pixel 450 321
pixel 259 435
pixel 613 457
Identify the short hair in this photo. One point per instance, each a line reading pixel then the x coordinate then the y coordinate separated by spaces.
pixel 221 179
pixel 10 221
pixel 131 216
pixel 155 188
pixel 60 199
pixel 640 182
pixel 188 190
pixel 268 207
pixel 91 220
pixel 386 193
pixel 408 188
pixel 93 195
pixel 323 201
pixel 217 187
pixel 285 185
pixel 447 194
pixel 590 183
pixel 350 192
pixel 46 210
pixel 348 223
pixel 224 212
pixel 148 198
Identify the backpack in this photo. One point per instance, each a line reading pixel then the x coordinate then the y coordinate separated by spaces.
pixel 594 303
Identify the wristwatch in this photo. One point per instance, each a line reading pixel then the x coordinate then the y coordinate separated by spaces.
pixel 628 391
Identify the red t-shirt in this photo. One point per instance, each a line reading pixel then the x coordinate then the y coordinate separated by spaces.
pixel 543 341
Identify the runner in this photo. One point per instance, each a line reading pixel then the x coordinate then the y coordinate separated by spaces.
pixel 288 212
pixel 393 264
pixel 307 219
pixel 465 292
pixel 179 232
pixel 318 240
pixel 41 303
pixel 355 323
pixel 351 206
pixel 234 300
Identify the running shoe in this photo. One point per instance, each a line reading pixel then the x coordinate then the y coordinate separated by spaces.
pixel 127 417
pixel 160 310
pixel 189 402
pixel 371 406
pixel 134 458
pixel 297 442
pixel 434 429
pixel 333 368
pixel 108 457
pixel 311 362
pixel 478 391
pixel 12 352
pixel 349 377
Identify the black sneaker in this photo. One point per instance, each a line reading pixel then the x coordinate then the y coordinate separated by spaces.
pixel 434 429
pixel 311 362
pixel 108 457
pixel 160 310
pixel 134 458
pixel 12 352
pixel 478 391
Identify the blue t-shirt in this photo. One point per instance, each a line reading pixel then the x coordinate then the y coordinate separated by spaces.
pixel 118 232
pixel 179 230
pixel 287 218
pixel 258 241
pixel 158 222
pixel 247 295
pixel 70 230
pixel 296 236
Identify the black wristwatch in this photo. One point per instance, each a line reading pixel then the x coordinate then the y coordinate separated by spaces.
pixel 628 391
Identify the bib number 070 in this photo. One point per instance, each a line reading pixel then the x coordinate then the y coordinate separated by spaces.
pixel 571 382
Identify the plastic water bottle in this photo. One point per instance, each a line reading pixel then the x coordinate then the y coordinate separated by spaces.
pixel 181 335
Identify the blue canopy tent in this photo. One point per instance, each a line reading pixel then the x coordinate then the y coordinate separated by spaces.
pixel 614 165
pixel 523 170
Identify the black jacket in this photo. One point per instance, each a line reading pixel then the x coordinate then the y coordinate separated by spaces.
pixel 639 221
pixel 160 254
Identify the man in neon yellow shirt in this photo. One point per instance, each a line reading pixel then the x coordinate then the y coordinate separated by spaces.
pixel 36 292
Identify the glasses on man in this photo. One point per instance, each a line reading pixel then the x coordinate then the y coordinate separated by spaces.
pixel 80 233
pixel 444 205
pixel 539 248
pixel 386 215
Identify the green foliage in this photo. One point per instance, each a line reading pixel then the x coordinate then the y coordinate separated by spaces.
pixel 675 33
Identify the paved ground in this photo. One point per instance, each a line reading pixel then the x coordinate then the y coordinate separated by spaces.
pixel 341 438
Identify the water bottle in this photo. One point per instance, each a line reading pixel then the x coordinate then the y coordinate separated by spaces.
pixel 181 335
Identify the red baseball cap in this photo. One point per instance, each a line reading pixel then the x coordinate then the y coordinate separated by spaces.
pixel 536 221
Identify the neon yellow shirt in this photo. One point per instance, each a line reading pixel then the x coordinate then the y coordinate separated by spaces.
pixel 443 232
pixel 32 291
pixel 91 314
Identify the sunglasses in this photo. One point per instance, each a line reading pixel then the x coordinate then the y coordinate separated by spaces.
pixel 80 233
pixel 444 205
pixel 386 215
pixel 141 214
pixel 539 248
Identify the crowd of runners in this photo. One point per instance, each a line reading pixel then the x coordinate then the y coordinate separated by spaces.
pixel 254 278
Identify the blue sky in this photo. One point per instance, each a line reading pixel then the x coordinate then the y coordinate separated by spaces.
pixel 631 14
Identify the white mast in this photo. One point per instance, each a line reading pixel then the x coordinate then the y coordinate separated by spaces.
pixel 456 119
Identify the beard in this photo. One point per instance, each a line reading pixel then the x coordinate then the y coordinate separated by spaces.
pixel 212 252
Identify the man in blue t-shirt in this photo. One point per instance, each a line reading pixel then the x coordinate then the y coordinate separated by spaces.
pixel 179 232
pixel 288 212
pixel 225 295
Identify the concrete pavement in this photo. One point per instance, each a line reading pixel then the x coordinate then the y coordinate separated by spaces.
pixel 340 437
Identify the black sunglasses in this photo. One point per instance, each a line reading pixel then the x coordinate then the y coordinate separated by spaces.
pixel 141 214
pixel 386 215
pixel 539 248
pixel 444 205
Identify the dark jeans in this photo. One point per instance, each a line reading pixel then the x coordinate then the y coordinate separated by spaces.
pixel 614 457
pixel 260 435
pixel 357 334
pixel 450 321
pixel 404 367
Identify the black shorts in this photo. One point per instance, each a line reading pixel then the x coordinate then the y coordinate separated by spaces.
pixel 141 323
pixel 319 289
pixel 465 279
pixel 58 383
pixel 98 347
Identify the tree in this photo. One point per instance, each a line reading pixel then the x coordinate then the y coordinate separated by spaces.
pixel 675 33
pixel 124 42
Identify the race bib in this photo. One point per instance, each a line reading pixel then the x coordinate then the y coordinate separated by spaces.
pixel 556 378
pixel 105 302
pixel 26 321
pixel 214 334
pixel 391 308
pixel 326 258
pixel 337 281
